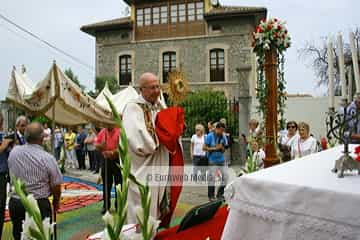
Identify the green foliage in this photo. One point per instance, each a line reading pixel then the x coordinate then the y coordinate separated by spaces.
pixel 262 89
pixel 111 81
pixel 40 119
pixel 281 101
pixel 251 164
pixel 208 105
pixel 70 74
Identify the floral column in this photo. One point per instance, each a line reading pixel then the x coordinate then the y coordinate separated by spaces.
pixel 271 108
pixel 270 40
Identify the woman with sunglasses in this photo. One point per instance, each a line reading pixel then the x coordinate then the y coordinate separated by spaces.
pixel 287 140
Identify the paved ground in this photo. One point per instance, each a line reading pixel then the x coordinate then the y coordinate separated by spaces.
pixel 192 195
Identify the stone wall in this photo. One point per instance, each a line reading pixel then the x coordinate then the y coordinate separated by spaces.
pixel 192 54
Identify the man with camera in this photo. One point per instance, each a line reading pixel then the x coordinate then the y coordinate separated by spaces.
pixel 5 146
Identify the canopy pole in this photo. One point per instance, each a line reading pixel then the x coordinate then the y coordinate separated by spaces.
pixel 53 131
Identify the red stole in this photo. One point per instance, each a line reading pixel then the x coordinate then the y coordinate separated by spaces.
pixel 169 128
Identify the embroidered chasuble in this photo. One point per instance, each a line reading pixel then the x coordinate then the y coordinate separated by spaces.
pixel 147 156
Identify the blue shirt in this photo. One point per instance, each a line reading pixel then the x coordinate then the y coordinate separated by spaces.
pixel 211 140
pixel 80 137
pixel 3 157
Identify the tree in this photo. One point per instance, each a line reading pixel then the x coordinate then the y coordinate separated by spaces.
pixel 208 105
pixel 111 81
pixel 316 55
pixel 70 74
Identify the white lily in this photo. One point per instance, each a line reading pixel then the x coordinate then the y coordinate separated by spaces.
pixel 28 224
pixel 109 219
pixel 33 204
pixel 152 222
pixel 48 228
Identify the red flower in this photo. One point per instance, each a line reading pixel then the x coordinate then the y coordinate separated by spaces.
pixel 357 150
pixel 357 158
pixel 276 35
pixel 263 20
pixel 323 143
pixel 275 20
pixel 269 27
pixel 279 27
pixel 286 31
pixel 258 29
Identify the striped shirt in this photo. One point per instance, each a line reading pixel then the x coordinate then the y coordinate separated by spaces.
pixel 36 168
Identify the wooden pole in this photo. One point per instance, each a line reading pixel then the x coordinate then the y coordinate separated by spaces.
pixel 271 121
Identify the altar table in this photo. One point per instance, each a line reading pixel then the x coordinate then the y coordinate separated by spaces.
pixel 300 199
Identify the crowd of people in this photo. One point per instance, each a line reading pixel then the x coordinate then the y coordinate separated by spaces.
pixel 207 148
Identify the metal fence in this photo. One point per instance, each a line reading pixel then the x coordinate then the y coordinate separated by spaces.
pixel 212 109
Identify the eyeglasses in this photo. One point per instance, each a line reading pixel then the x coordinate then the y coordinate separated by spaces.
pixel 291 126
pixel 153 87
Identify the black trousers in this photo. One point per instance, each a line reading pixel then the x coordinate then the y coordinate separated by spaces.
pixel 92 156
pixel 3 182
pixel 80 155
pixel 17 214
pixel 98 158
pixel 113 176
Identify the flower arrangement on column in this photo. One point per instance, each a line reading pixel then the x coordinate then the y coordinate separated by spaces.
pixel 271 35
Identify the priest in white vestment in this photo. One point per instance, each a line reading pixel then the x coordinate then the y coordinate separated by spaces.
pixel 145 151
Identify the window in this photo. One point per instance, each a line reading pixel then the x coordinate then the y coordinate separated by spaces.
pixel 191 11
pixel 140 17
pixel 164 14
pixel 217 73
pixel 156 15
pixel 182 12
pixel 169 64
pixel 199 10
pixel 174 13
pixel 147 12
pixel 125 70
pixel 216 28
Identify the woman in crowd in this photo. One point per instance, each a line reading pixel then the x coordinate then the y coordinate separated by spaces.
pixel 287 140
pixel 254 129
pixel 305 144
pixel 197 154
pixel 70 148
pixel 58 142
pixel 89 141
pixel 47 138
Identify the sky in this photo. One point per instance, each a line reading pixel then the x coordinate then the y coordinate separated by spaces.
pixel 59 22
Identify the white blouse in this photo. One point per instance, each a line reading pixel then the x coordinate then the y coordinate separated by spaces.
pixel 301 148
pixel 259 156
pixel 285 140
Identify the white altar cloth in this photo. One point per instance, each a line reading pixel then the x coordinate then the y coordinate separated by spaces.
pixel 300 199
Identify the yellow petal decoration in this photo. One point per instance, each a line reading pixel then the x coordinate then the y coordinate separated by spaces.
pixel 177 86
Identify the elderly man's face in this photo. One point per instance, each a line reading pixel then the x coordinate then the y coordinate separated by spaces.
pixel 151 89
pixel 21 126
pixel 357 103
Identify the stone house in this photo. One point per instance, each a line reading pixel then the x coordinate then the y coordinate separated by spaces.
pixel 209 42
